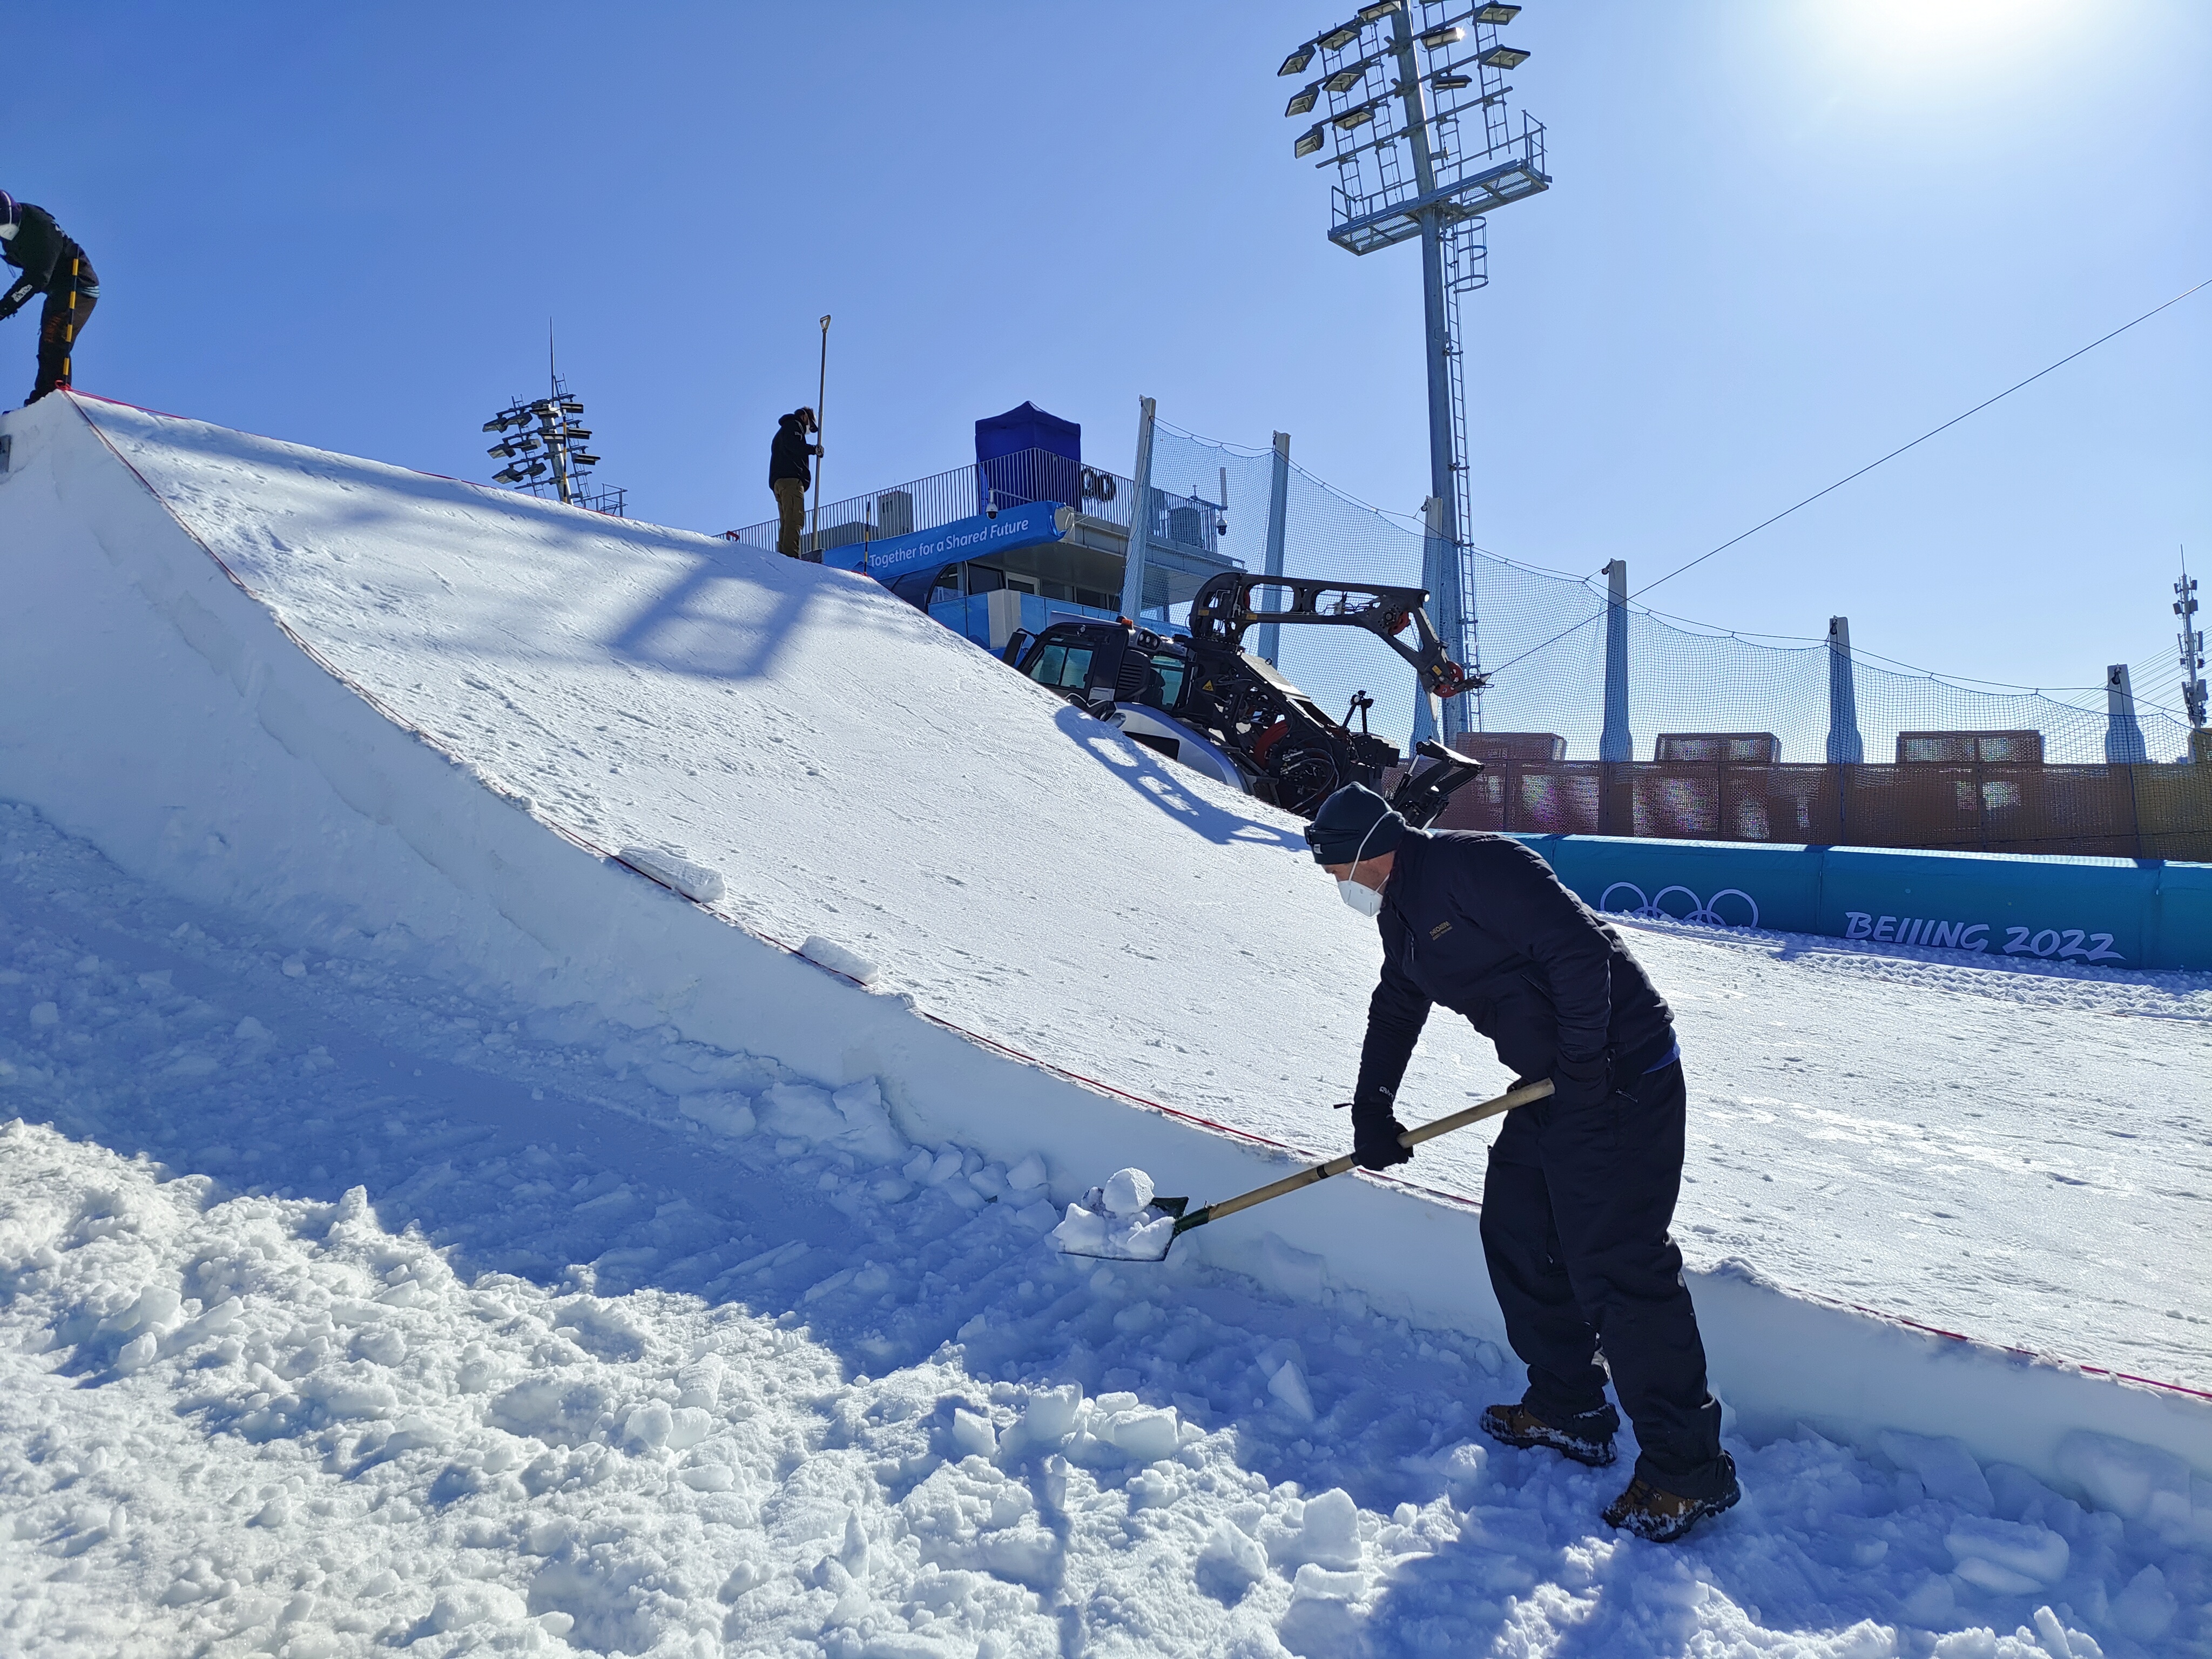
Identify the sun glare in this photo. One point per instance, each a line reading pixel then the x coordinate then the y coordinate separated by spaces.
pixel 1948 38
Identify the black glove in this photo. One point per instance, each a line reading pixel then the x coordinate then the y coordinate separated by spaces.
pixel 1375 1141
pixel 1581 1084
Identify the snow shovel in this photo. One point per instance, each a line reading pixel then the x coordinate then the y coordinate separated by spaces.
pixel 1149 1234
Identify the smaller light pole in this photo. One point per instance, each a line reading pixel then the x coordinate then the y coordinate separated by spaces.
pixel 2191 639
pixel 1140 518
pixel 821 397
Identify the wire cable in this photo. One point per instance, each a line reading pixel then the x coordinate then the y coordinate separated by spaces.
pixel 1868 467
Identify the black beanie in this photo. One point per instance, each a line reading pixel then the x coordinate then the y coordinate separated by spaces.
pixel 1354 824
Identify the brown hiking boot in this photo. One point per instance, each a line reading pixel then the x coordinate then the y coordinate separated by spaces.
pixel 1517 1425
pixel 1663 1517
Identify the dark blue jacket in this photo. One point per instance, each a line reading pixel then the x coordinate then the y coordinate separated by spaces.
pixel 787 453
pixel 1479 924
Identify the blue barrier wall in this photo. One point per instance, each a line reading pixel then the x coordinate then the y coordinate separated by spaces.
pixel 2116 912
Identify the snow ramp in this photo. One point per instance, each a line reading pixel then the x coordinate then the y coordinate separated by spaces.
pixel 378 711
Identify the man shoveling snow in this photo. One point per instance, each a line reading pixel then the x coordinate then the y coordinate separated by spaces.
pixel 1581 1187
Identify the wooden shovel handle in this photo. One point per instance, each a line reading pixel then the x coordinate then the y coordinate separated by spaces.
pixel 1337 1166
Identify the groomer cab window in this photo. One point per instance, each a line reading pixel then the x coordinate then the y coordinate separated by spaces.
pixel 1065 666
pixel 1163 685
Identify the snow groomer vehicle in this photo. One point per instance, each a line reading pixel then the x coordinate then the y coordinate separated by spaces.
pixel 1211 705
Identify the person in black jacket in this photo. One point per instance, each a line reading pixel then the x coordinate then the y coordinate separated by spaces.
pixel 1582 1186
pixel 788 474
pixel 51 263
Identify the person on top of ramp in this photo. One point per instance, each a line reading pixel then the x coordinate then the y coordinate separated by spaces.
pixel 788 474
pixel 1581 1187
pixel 52 263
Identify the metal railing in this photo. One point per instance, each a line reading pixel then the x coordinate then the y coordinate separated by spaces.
pixel 963 492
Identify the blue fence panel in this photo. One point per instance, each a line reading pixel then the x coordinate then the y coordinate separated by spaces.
pixel 2116 912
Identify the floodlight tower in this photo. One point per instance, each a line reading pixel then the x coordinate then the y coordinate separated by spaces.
pixel 542 440
pixel 2191 639
pixel 1426 152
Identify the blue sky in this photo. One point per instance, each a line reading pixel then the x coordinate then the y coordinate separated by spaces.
pixel 1785 237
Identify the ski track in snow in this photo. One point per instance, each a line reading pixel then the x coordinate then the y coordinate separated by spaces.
pixel 340 1312
pixel 2022 1152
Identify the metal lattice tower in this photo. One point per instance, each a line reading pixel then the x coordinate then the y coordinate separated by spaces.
pixel 1425 151
pixel 2192 641
pixel 543 442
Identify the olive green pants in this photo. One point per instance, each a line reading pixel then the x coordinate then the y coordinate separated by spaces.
pixel 790 515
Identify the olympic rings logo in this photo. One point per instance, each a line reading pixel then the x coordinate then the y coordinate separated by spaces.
pixel 1701 912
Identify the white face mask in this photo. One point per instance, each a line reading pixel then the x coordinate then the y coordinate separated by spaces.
pixel 1365 900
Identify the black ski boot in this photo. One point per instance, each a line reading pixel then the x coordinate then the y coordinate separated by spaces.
pixel 1663 1517
pixel 1517 1425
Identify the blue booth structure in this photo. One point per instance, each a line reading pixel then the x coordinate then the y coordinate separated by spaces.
pixel 2119 913
pixel 1027 454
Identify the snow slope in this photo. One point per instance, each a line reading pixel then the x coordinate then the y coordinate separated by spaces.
pixel 856 773
pixel 1932 1139
pixel 427 1329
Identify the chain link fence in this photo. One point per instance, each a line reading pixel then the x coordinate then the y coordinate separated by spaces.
pixel 1730 736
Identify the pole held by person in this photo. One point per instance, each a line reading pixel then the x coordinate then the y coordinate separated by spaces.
pixel 821 398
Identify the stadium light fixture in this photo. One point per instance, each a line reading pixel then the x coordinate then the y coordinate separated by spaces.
pixel 1302 100
pixel 1296 61
pixel 1358 116
pixel 1347 77
pixel 1502 58
pixel 1437 40
pixel 1446 81
pixel 1339 37
pixel 1309 142
pixel 1495 16
pixel 1379 10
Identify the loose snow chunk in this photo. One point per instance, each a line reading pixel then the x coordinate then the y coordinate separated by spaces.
pixel 974 1435
pixel 1128 1191
pixel 694 881
pixel 475 1603
pixel 700 1382
pixel 1143 1237
pixel 1145 1433
pixel 1329 1534
pixel 1232 1558
pixel 828 953
pixel 725 1113
pixel 1050 1416
pixel 854 1118
pixel 2006 1556
pixel 1288 1386
pixel 1946 1469
pixel 2136 1481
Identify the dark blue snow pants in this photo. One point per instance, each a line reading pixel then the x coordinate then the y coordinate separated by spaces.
pixel 1575 1212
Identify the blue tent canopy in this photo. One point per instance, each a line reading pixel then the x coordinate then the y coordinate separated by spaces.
pixel 1027 454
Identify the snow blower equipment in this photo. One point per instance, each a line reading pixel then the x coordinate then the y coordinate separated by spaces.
pixel 1122 1221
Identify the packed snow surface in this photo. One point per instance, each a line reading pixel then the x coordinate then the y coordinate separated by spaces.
pixel 2022 1153
pixel 341 1312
